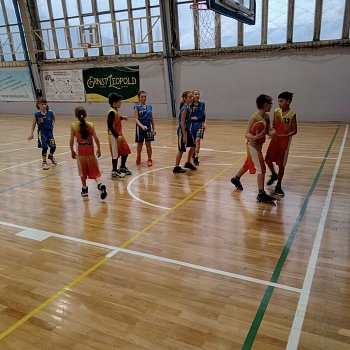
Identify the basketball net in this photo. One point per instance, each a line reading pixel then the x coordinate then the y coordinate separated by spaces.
pixel 205 22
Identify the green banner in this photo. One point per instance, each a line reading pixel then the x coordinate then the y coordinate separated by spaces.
pixel 100 82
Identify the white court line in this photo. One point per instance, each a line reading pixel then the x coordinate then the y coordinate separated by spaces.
pixel 33 161
pixel 12 143
pixel 131 193
pixel 34 234
pixel 294 336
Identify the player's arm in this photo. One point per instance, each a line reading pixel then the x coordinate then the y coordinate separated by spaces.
pixel 31 136
pixel 137 120
pixel 153 124
pixel 110 124
pixel 294 126
pixel 97 141
pixel 183 125
pixel 71 142
pixel 272 128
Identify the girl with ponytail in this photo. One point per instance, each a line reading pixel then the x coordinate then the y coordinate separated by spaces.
pixel 84 134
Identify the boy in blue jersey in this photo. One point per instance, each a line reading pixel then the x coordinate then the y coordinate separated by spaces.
pixel 145 129
pixel 198 122
pixel 45 119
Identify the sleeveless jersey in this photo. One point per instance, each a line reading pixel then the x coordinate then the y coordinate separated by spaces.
pixel 198 111
pixel 283 123
pixel 45 122
pixel 145 113
pixel 257 117
pixel 187 119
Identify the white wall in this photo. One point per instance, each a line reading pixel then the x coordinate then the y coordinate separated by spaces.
pixel 319 78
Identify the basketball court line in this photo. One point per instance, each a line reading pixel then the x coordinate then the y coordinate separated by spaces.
pixel 86 273
pixel 39 235
pixel 131 193
pixel 298 321
pixel 250 338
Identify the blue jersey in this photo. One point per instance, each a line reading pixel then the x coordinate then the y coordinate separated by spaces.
pixel 188 122
pixel 145 114
pixel 45 121
pixel 198 112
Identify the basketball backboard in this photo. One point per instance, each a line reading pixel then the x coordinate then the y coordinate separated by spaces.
pixel 242 10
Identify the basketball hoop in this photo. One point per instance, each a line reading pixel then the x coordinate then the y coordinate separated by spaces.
pixel 205 22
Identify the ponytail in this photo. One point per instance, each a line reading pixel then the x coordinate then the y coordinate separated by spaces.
pixel 80 113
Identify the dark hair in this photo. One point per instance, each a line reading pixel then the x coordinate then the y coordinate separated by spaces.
pixel 141 92
pixel 41 100
pixel 183 96
pixel 286 95
pixel 262 99
pixel 114 97
pixel 80 113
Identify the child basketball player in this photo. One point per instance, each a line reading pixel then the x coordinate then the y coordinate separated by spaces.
pixel 45 119
pixel 198 123
pixel 85 135
pixel 184 135
pixel 255 139
pixel 117 143
pixel 285 125
pixel 144 127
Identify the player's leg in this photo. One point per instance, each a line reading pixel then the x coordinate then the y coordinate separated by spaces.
pixel 138 152
pixel 149 153
pixel 84 190
pixel 278 188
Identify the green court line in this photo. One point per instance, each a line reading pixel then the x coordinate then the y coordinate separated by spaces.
pixel 250 338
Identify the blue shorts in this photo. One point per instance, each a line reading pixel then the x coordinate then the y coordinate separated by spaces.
pixel 197 131
pixel 46 139
pixel 181 145
pixel 144 135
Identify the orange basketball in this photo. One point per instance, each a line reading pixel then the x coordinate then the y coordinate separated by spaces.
pixel 258 127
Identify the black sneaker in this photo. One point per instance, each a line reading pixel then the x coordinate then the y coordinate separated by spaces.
pixel 273 178
pixel 237 183
pixel 195 161
pixel 190 166
pixel 279 191
pixel 84 191
pixel 265 198
pixel 178 170
pixel 125 171
pixel 52 158
pixel 103 192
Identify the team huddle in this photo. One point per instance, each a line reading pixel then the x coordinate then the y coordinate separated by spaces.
pixel 190 132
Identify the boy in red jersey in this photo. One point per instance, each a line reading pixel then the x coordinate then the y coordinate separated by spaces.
pixel 285 125
pixel 255 160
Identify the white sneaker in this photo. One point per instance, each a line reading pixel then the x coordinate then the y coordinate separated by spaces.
pixel 45 166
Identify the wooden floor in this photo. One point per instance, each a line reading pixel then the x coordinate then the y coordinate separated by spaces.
pixel 174 261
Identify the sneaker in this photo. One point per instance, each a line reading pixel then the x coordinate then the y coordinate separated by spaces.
pixel 45 165
pixel 237 183
pixel 117 173
pixel 190 166
pixel 265 198
pixel 195 161
pixel 149 162
pixel 273 178
pixel 84 191
pixel 178 170
pixel 52 158
pixel 125 171
pixel 103 192
pixel 138 160
pixel 279 191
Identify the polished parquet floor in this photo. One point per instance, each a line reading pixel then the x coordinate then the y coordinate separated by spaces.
pixel 174 261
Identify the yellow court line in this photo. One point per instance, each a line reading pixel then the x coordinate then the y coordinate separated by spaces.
pixel 104 260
